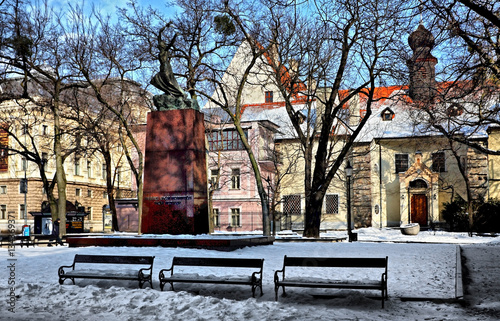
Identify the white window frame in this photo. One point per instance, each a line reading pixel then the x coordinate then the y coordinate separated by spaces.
pixel 235 179
pixel 216 216
pixel 232 214
pixel 77 167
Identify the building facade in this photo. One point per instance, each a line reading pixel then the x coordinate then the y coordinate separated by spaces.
pixel 26 124
pixel 402 171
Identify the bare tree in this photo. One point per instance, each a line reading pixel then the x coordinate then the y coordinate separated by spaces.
pixel 206 31
pixel 465 102
pixel 105 55
pixel 36 48
pixel 100 128
pixel 319 52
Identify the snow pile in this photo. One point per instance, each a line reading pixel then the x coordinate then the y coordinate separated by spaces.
pixel 422 283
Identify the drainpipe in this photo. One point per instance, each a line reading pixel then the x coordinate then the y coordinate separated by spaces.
pixel 380 181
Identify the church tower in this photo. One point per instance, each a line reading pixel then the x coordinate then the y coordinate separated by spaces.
pixel 422 65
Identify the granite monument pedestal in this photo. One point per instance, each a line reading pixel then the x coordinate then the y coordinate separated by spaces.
pixel 175 178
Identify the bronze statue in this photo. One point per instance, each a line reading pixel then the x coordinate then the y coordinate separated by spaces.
pixel 174 97
pixel 165 79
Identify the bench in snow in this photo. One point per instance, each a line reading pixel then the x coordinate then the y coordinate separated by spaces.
pixel 330 262
pixel 91 267
pixel 254 279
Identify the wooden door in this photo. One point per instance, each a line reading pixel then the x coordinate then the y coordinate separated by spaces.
pixel 419 209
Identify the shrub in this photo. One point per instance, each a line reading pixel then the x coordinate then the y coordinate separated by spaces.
pixel 455 214
pixel 487 217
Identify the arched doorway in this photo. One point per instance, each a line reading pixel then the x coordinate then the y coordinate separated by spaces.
pixel 419 210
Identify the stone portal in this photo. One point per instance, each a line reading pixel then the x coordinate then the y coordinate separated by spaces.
pixel 175 179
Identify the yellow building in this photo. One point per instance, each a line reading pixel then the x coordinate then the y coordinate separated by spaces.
pixel 494 163
pixel 85 169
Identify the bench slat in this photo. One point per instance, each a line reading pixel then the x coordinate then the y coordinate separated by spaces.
pixel 335 262
pixel 332 285
pixel 118 259
pixel 222 262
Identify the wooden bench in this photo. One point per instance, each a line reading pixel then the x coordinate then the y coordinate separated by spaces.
pixel 90 262
pixel 254 279
pixel 331 282
pixel 21 240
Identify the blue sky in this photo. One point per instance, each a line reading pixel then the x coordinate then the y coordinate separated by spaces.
pixel 110 6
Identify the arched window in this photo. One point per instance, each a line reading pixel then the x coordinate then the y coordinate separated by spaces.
pixel 418 183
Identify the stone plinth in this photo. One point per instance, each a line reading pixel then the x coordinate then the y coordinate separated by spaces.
pixel 175 178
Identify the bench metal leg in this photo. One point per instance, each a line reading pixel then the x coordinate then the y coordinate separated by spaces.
pixel 162 285
pixel 384 296
pixel 61 280
pixel 276 290
pixel 254 287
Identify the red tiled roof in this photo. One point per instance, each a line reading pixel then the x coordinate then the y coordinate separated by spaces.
pixel 286 78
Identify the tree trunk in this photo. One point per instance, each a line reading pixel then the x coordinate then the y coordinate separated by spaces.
pixel 312 219
pixel 139 201
pixel 60 174
pixel 258 180
pixel 110 190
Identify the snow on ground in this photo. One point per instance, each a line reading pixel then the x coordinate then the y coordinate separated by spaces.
pixel 421 283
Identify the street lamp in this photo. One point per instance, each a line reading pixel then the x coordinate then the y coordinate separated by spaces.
pixel 348 174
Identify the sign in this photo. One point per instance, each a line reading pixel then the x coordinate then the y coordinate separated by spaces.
pixel 107 220
pixel 74 224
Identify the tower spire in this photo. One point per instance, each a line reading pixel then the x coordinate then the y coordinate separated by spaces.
pixel 420 9
pixel 422 65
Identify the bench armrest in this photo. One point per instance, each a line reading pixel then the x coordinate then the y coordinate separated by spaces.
pixel 150 269
pixel 162 272
pixel 61 268
pixel 254 276
pixel 276 276
pixel 384 278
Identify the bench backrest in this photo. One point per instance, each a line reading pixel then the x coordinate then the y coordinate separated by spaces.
pixel 115 259
pixel 222 262
pixel 354 262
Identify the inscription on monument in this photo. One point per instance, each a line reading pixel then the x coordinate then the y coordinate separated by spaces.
pixel 169 200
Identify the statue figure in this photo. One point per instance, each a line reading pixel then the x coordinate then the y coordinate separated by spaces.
pixel 165 80
pixel 174 97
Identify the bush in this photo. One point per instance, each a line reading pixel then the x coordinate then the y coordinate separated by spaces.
pixel 487 217
pixel 455 214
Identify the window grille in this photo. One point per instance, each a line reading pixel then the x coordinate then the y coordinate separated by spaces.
pixel 291 204
pixel 332 203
